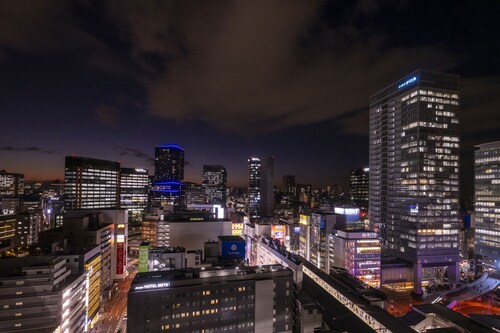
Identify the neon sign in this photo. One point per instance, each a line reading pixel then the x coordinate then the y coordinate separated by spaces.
pixel 153 286
pixel 407 82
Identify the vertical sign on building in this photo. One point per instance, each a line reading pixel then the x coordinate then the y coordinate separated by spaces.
pixel 143 258
pixel 119 256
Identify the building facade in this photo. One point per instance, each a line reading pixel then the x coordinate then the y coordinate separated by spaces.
pixel 414 170
pixel 134 191
pixel 358 186
pixel 358 252
pixel 90 183
pixel 243 299
pixel 260 187
pixel 39 294
pixel 214 184
pixel 11 184
pixel 254 187
pixel 487 204
pixel 169 163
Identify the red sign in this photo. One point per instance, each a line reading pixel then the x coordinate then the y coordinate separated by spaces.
pixel 119 258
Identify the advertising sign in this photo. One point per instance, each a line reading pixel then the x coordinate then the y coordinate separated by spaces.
pixel 233 249
pixel 119 258
pixel 237 229
pixel 143 258
pixel 278 231
pixel 351 214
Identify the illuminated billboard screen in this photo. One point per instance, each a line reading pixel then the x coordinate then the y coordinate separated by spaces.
pixel 278 231
pixel 351 214
pixel 233 249
pixel 237 229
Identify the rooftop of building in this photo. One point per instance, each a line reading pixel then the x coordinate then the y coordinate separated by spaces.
pixel 230 238
pixel 89 162
pixel 417 77
pixel 487 145
pixel 165 249
pixel 451 316
pixel 487 320
pixel 195 276
pixel 172 146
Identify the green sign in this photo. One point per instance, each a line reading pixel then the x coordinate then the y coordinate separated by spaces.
pixel 143 258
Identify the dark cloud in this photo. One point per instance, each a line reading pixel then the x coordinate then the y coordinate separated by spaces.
pixel 107 115
pixel 10 148
pixel 239 65
pixel 247 66
pixel 127 151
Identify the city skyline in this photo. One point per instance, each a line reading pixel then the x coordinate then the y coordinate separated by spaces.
pixel 96 80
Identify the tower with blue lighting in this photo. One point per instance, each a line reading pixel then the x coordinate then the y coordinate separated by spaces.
pixel 169 164
pixel 169 173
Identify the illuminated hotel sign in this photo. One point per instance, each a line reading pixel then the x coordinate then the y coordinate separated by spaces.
pixel 153 286
pixel 407 82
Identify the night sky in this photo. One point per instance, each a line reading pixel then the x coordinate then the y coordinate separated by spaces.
pixel 230 79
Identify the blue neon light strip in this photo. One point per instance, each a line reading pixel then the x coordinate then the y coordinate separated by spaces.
pixel 171 146
pixel 168 191
pixel 169 183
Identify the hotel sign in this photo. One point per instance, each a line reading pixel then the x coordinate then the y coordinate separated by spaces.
pixel 407 82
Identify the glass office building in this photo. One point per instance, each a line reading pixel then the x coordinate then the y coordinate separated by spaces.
pixel 91 183
pixel 487 204
pixel 414 169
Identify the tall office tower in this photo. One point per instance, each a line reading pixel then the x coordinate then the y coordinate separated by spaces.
pixel 414 149
pixel 91 183
pixel 169 173
pixel 169 164
pixel 134 191
pixel 214 184
pixel 267 187
pixel 11 184
pixel 288 184
pixel 239 299
pixel 487 204
pixel 254 187
pixel 358 186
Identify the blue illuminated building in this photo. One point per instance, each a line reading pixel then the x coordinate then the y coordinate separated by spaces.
pixel 169 173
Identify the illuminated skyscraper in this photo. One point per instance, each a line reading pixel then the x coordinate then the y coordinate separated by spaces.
pixel 11 184
pixel 254 187
pixel 169 173
pixel 358 186
pixel 414 149
pixel 214 184
pixel 487 204
pixel 260 187
pixel 134 190
pixel 91 183
pixel 169 163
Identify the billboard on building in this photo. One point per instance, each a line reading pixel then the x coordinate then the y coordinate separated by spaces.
pixel 278 231
pixel 120 257
pixel 143 258
pixel 233 249
pixel 351 214
pixel 237 229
